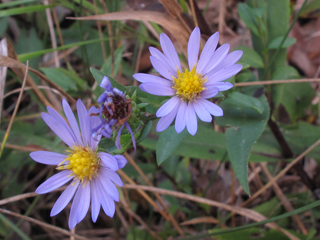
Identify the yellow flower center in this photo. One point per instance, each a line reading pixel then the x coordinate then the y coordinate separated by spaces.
pixel 83 162
pixel 188 84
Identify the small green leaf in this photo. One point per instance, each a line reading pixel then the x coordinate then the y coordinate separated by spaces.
pixel 243 100
pixel 275 43
pixel 168 142
pixel 247 15
pixel 98 76
pixel 251 57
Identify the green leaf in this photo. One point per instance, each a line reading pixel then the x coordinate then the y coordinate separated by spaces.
pixel 248 17
pixel 251 57
pixel 168 142
pixel 98 76
pixel 243 100
pixel 311 10
pixel 15 3
pixel 275 43
pixel 22 10
pixel 295 97
pixel 246 127
pixel 7 222
pixel 106 67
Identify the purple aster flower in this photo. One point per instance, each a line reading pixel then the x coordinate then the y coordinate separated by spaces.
pixel 91 174
pixel 114 112
pixel 189 87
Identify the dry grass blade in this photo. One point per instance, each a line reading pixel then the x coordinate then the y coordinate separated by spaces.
pixel 15 110
pixel 3 71
pixel 172 25
pixel 200 220
pixel 45 225
pixel 30 88
pixel 17 198
pixel 283 172
pixel 12 63
pixel 23 148
pixel 270 82
pixel 251 214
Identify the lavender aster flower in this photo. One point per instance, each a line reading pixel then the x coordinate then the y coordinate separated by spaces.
pixel 91 174
pixel 114 112
pixel 189 87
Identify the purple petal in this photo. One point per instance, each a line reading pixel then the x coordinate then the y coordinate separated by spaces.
pixel 106 84
pixel 132 135
pixel 105 200
pixel 168 106
pixel 49 158
pixel 122 161
pixel 58 128
pixel 94 121
pixel 229 60
pixel 54 182
pixel 181 117
pixel 95 200
pixel 113 176
pixel 84 123
pixel 108 161
pixel 85 201
pixel 223 86
pixel 117 143
pixel 72 121
pixel 161 57
pixel 223 74
pixel 158 90
pixel 210 92
pixel 165 121
pixel 207 51
pixel 193 47
pixel 212 108
pixel 216 58
pixel 102 98
pixel 169 51
pixel 144 78
pixel 161 68
pixel 75 208
pixel 202 113
pixel 191 120
pixel 64 198
pixel 109 187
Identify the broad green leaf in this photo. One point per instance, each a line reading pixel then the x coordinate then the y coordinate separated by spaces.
pixel 147 168
pixel 248 17
pixel 246 126
pixel 168 142
pixel 275 43
pixel 61 77
pixel 295 97
pixel 98 76
pixel 22 10
pixel 311 10
pixel 243 100
pixel 251 57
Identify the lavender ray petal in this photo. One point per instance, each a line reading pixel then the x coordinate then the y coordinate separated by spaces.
pixel 77 200
pixel 144 78
pixel 223 74
pixel 122 161
pixel 165 121
pixel 102 98
pixel 95 200
pixel 106 84
pixel 85 202
pixel 181 117
pixel 94 121
pixel 161 57
pixel 72 121
pixel 167 106
pixel 117 143
pixel 202 113
pixel 49 158
pixel 64 198
pixel 84 123
pixel 113 176
pixel 158 90
pixel 132 135
pixel 105 200
pixel 217 57
pixel 229 60
pixel 212 108
pixel 169 51
pixel 210 92
pixel 58 129
pixel 191 120
pixel 107 160
pixel 109 187
pixel 161 68
pixel 193 47
pixel 54 182
pixel 223 86
pixel 207 51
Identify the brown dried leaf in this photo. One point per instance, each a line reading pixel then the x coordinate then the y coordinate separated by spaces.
pixel 200 220
pixel 174 26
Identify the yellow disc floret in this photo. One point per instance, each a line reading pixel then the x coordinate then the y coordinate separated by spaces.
pixel 188 84
pixel 83 162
